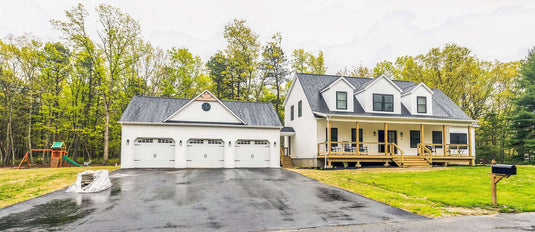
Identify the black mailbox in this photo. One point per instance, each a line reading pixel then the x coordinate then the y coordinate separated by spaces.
pixel 504 169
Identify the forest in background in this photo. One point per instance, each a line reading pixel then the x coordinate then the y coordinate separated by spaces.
pixel 75 90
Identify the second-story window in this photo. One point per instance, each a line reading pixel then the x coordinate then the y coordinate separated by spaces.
pixel 292 113
pixel 341 100
pixel 299 108
pixel 383 102
pixel 421 104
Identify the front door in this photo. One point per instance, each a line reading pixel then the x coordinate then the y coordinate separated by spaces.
pixel 392 138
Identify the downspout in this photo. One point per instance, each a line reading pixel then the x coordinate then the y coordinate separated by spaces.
pixel 328 142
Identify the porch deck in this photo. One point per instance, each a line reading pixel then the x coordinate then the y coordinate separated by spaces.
pixel 427 154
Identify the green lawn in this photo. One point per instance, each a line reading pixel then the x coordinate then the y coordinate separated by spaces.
pixel 23 184
pixel 436 191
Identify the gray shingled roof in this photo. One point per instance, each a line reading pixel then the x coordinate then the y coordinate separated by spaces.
pixel 156 110
pixel 443 106
pixel 287 129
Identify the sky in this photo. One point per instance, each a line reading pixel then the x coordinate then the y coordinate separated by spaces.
pixel 350 33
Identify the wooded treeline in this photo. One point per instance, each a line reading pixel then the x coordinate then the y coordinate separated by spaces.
pixel 74 90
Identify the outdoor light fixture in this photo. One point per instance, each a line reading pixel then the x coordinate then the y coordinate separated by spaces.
pixel 180 142
pixel 275 144
pixel 374 133
pixel 229 143
pixel 127 141
pixel 401 134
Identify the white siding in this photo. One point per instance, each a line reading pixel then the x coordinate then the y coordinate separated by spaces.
pixel 303 142
pixel 183 133
pixel 410 100
pixel 381 86
pixel 194 112
pixel 330 96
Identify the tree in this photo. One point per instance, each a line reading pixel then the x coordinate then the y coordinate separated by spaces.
pixel 242 54
pixel 217 70
pixel 523 121
pixel 305 62
pixel 185 75
pixel 355 71
pixel 118 34
pixel 274 70
pixel 55 69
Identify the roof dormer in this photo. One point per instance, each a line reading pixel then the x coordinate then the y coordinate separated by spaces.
pixel 339 95
pixel 379 95
pixel 418 99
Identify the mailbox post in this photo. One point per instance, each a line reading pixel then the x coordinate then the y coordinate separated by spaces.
pixel 499 171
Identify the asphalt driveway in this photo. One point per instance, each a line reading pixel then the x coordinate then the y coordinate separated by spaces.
pixel 200 200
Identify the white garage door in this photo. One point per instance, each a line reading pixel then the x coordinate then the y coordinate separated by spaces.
pixel 154 153
pixel 252 154
pixel 205 153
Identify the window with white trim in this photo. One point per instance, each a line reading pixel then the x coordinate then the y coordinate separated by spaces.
pixel 383 102
pixel 421 104
pixel 341 100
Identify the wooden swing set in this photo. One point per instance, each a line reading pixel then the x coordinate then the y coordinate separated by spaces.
pixel 58 155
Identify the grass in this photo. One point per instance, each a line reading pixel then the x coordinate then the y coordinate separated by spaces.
pixel 23 184
pixel 436 192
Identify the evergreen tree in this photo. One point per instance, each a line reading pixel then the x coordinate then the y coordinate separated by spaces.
pixel 523 122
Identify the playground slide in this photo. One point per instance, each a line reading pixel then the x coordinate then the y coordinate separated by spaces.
pixel 71 161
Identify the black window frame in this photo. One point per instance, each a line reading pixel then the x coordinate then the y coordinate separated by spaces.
pixel 418 104
pixel 334 136
pixel 437 138
pixel 414 138
pixel 458 138
pixel 300 108
pixel 338 107
pixel 292 113
pixel 382 103
pixel 354 135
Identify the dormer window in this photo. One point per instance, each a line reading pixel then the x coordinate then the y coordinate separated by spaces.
pixel 383 102
pixel 341 100
pixel 422 104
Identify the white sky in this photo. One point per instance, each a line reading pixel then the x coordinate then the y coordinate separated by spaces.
pixel 349 32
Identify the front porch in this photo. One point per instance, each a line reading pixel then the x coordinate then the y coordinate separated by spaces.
pixel 405 144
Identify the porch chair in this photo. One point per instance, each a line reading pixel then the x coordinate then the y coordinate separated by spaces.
pixel 349 148
pixel 363 149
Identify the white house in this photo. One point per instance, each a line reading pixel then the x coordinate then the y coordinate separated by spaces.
pixel 325 114
pixel 202 132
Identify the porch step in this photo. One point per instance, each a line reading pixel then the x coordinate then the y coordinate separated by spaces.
pixel 415 161
pixel 287 162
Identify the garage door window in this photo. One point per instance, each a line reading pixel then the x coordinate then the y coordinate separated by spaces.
pixel 165 141
pixel 263 142
pixel 196 141
pixel 215 141
pixel 144 140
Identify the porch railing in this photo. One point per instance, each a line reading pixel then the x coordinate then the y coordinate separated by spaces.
pixel 350 148
pixel 448 150
pixel 425 152
pixel 397 154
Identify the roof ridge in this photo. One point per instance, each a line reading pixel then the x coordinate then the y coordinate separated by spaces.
pixel 189 99
pixel 330 75
pixel 179 98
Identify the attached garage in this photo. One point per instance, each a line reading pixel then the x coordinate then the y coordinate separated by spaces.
pixel 252 153
pixel 202 132
pixel 205 153
pixel 154 153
